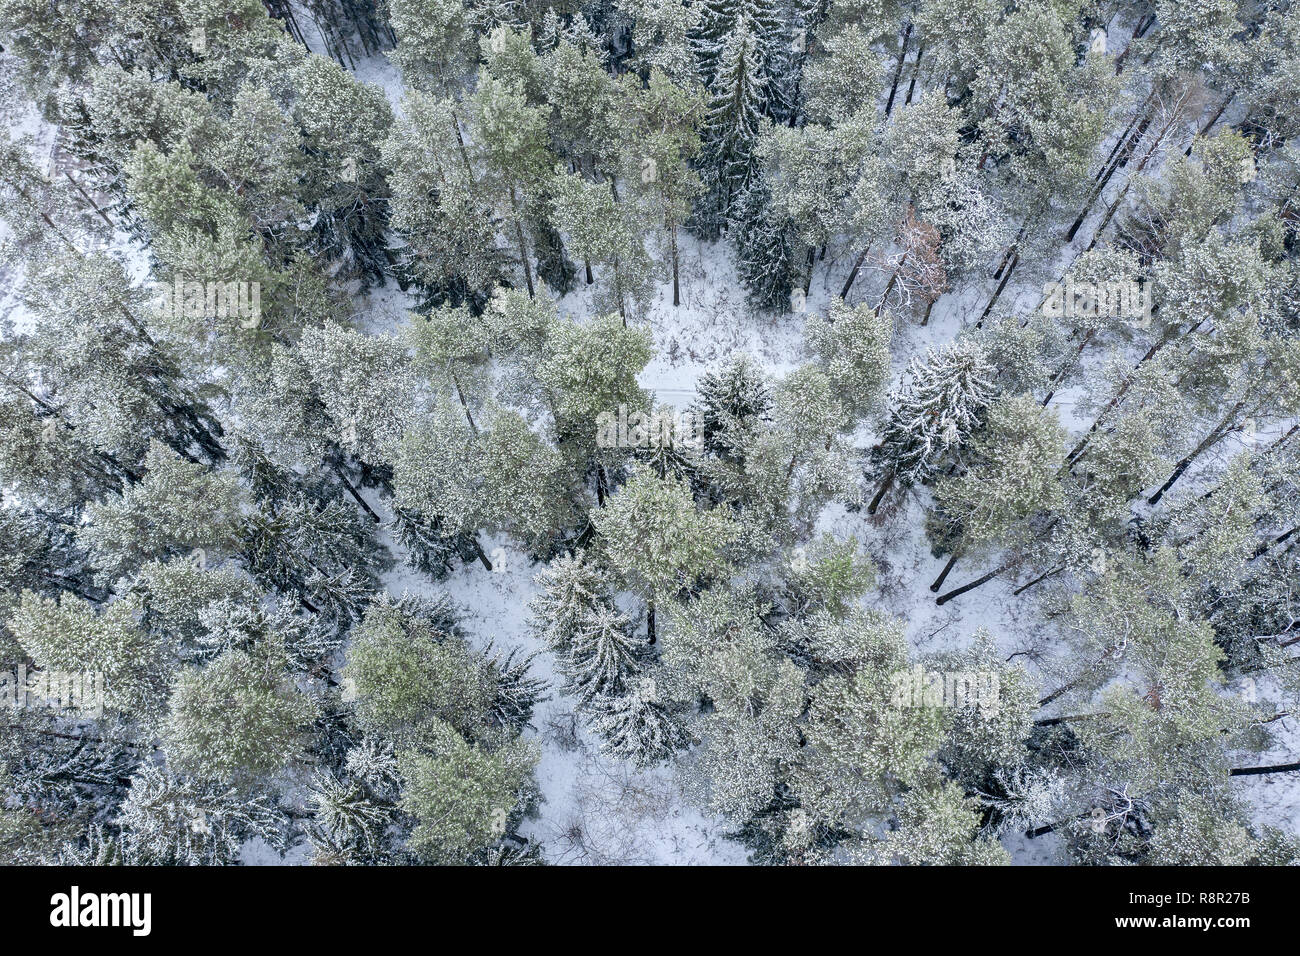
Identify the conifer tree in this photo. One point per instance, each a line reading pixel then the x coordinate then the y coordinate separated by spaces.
pixel 932 417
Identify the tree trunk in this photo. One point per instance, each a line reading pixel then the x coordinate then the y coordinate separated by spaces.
pixel 1216 435
pixel 1007 266
pixel 356 495
pixel 853 273
pixel 893 280
pixel 1213 119
pixel 461 395
pixel 1141 30
pixel 958 592
pixel 997 293
pixel 1066 369
pixel 478 551
pixel 1256 771
pixel 523 246
pixel 1042 577
pixel 672 242
pixel 898 70
pixel 1119 395
pixel 1137 171
pixel 916 68
pixel 650 620
pixel 460 142
pixel 84 195
pixel 1119 158
pixel 880 494
pixel 943 575
pixel 1066 688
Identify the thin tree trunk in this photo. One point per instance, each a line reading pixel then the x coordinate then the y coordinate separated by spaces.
pixel 997 293
pixel 48 221
pixel 1119 158
pixel 650 620
pixel 853 273
pixel 1213 119
pixel 461 395
pixel 1257 771
pixel 885 485
pixel 958 592
pixel 478 551
pixel 1264 548
pixel 1137 171
pixel 1008 266
pixel 938 582
pixel 356 495
pixel 898 70
pixel 893 280
pixel 925 320
pixel 677 292
pixel 1042 577
pixel 84 195
pixel 1141 30
pixel 523 246
pixel 1119 395
pixel 1219 432
pixel 1068 367
pixel 916 68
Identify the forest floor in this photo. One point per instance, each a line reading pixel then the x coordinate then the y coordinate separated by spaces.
pixel 598 810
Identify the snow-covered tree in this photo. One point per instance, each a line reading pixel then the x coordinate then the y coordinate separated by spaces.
pixel 728 159
pixel 934 414
pixel 236 719
pixel 658 540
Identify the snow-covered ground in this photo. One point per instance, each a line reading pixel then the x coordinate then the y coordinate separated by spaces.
pixel 599 810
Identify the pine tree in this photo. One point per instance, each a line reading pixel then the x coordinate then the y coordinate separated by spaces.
pixel 71 635
pixel 236 719
pixel 853 345
pixel 177 508
pixel 343 124
pixel 732 401
pixel 608 233
pixel 1011 482
pixel 728 162
pixel 512 145
pixel 657 539
pixel 572 589
pixel 931 418
pixel 168 820
pixel 715 27
pixel 441 206
pixel 637 728
pixel 463 797
pixel 662 37
pixel 664 130
pixel 602 655
pixel 764 248
pixel 433 48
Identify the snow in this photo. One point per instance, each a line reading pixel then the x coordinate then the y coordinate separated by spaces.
pixel 595 810
pixel 598 810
